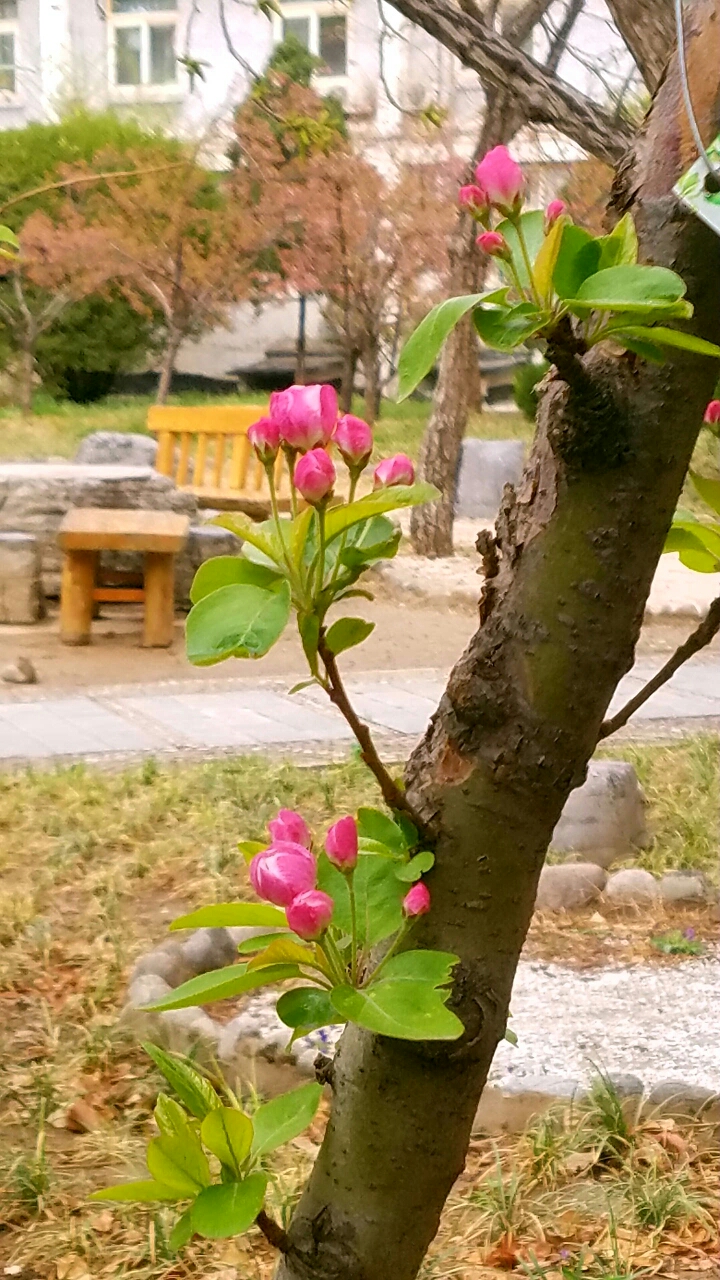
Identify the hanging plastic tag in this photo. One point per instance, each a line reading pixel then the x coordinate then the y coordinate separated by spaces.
pixel 693 192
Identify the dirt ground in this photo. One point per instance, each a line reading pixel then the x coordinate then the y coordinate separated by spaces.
pixel 409 635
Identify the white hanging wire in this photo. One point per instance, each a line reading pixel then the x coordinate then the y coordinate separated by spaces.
pixel 713 175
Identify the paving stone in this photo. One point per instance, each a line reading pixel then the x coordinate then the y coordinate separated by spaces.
pixel 508 1107
pixel 209 949
pixel 684 886
pixel 631 886
pixel 569 886
pixel 21 596
pixel 21 671
pixel 73 726
pixel 604 819
pixel 485 467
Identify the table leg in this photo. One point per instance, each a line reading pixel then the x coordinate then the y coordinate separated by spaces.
pixel 76 596
pixel 159 600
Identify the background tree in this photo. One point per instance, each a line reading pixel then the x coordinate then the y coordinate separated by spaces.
pixel 575 555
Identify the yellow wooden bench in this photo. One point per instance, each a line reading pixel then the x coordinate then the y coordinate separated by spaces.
pixel 205 450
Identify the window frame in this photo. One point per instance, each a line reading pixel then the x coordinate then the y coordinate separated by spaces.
pixel 314 10
pixel 11 27
pixel 144 20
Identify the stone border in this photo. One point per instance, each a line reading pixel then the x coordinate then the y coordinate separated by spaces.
pixel 251 1047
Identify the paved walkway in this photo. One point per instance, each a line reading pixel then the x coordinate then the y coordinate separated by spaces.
pixel 242 715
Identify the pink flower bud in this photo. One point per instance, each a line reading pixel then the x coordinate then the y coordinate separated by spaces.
pixel 354 440
pixel 493 243
pixel 396 470
pixel 555 210
pixel 502 180
pixel 281 872
pixel 341 844
pixel 305 415
pixel 314 476
pixel 417 901
pixel 290 828
pixel 309 914
pixel 472 197
pixel 264 436
pixel 712 413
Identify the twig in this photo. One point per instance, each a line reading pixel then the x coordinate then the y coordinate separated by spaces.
pixel 275 1235
pixel 88 177
pixel 391 793
pixel 701 637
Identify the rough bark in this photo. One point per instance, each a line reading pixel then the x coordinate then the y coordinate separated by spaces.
pixel 167 368
pixel 26 378
pixel 373 388
pixel 539 97
pixel 347 383
pixel 516 727
pixel 648 29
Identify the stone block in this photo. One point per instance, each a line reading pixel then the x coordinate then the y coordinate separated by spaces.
pixel 208 949
pixel 127 448
pixel 485 467
pixel 21 598
pixel 631 887
pixel 677 1098
pixel 510 1106
pixel 146 988
pixel 569 886
pixel 167 962
pixel 684 886
pixel 183 1030
pixel 604 819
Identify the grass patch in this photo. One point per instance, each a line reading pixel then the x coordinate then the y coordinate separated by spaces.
pixel 58 426
pixel 92 866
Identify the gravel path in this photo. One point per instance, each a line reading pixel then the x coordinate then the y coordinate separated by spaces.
pixel 651 1020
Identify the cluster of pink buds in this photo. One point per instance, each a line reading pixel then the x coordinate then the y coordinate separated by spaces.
pixel 305 421
pixel 500 184
pixel 712 413
pixel 286 873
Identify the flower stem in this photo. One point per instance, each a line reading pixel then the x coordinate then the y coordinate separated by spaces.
pixel 321 544
pixel 391 951
pixel 290 455
pixel 353 928
pixel 276 519
pixel 334 959
pixel 354 477
pixel 526 257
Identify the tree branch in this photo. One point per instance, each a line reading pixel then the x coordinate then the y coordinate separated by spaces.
pixel 87 177
pixel 274 1234
pixel 542 98
pixel 701 637
pixel 648 29
pixel 391 793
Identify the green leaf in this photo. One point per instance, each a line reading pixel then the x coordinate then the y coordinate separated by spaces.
pixel 298 537
pixel 191 1087
pixel 233 914
pixel 620 248
pixel 709 490
pixel 422 347
pixel 260 941
pixel 658 334
pixel 239 621
pixel 411 871
pixel 255 535
pixel 579 257
pixel 371 540
pixel 378 893
pixel 373 824
pixel 142 1192
pixel 640 346
pixel 219 984
pixel 434 967
pixel 511 1037
pixel 169 1116
pixel 8 237
pixel 546 260
pixel 301 684
pixel 346 633
pixel 225 571
pixel 229 1208
pixel 229 1135
pixel 305 1009
pixel 402 1009
pixel 505 330
pixel 697 545
pixel 182 1232
pixel 409 830
pixel 628 288
pixel 533 228
pixel 179 1162
pixel 282 1119
pixel 284 949
pixel 248 849
pixel 392 498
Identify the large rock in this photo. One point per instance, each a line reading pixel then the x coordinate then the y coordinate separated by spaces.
pixel 604 819
pixel 125 448
pixel 631 887
pixel 569 886
pixel 21 599
pixel 34 497
pixel 486 466
pixel 684 886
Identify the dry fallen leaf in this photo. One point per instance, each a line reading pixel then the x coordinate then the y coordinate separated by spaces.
pixel 82 1118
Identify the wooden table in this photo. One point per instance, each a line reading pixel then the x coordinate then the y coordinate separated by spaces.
pixel 84 533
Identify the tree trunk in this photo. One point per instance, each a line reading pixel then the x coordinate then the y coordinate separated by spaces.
pixel 520 718
pixel 167 368
pixel 347 384
pixel 26 379
pixel 431 526
pixel 373 390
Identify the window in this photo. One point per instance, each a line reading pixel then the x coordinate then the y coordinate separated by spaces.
pixel 143 42
pixel 8 45
pixel 322 28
